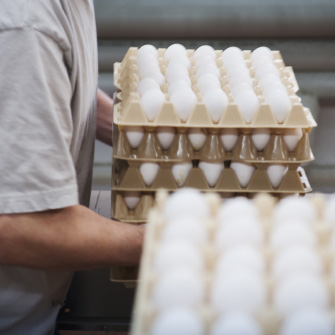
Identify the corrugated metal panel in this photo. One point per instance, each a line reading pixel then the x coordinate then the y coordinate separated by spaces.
pixel 215 18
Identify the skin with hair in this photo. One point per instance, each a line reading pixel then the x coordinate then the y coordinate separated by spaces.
pixel 71 238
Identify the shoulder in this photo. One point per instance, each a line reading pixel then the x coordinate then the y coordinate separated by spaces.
pixel 45 17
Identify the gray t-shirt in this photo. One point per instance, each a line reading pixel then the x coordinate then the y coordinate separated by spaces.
pixel 48 81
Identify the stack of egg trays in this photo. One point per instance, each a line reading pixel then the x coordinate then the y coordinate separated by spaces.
pixel 128 112
pixel 143 311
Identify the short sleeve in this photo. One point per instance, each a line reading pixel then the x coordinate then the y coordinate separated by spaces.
pixel 36 168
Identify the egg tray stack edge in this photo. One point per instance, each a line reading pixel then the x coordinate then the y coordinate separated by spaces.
pixel 269 320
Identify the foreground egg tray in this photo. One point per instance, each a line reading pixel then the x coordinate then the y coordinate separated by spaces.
pixel 269 320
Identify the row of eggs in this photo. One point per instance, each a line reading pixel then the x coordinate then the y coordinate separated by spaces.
pixel 228 136
pixel 215 99
pixel 238 291
pixel 212 172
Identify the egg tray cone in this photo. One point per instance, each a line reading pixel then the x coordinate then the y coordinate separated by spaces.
pixel 269 320
pixel 181 149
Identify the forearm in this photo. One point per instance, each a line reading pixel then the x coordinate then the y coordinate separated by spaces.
pixel 71 238
pixel 104 117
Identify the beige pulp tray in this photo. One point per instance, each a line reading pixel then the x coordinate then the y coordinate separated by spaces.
pixel 130 113
pixel 295 181
pixel 181 149
pixel 144 313
pixel 128 110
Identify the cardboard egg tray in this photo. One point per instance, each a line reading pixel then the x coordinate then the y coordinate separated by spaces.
pixel 127 177
pixel 128 109
pixel 181 149
pixel 270 321
pixel 130 113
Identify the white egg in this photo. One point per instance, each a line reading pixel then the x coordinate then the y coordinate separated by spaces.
pixel 238 291
pixel 174 69
pixel 145 85
pixel 178 287
pixel 238 87
pixel 237 207
pixel 236 324
pixel 260 137
pixel 216 102
pixel 294 260
pixel 149 72
pixel 292 137
pixel 175 50
pixel 197 137
pixel 178 320
pixel 181 59
pixel 149 172
pixel 131 198
pixel 275 85
pixel 204 60
pixel 172 254
pixel 291 234
pixel 232 55
pixel 179 76
pixel 185 228
pixel 147 59
pixel 248 104
pixel 280 104
pixel 134 135
pixel 329 213
pixel 276 173
pixel 241 256
pixel 147 49
pixel 212 171
pixel 184 101
pixel 180 172
pixel 158 77
pixel 208 68
pixel 266 68
pixel 299 291
pixel 261 52
pixel 236 69
pixel 229 138
pixel 208 82
pixel 239 231
pixel 256 62
pixel 147 66
pixel 308 321
pixel 204 50
pixel 268 80
pixel 294 208
pixel 152 102
pixel 179 85
pixel 186 201
pixel 165 136
pixel 238 78
pixel 243 172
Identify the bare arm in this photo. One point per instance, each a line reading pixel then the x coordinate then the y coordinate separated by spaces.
pixel 70 238
pixel 104 117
